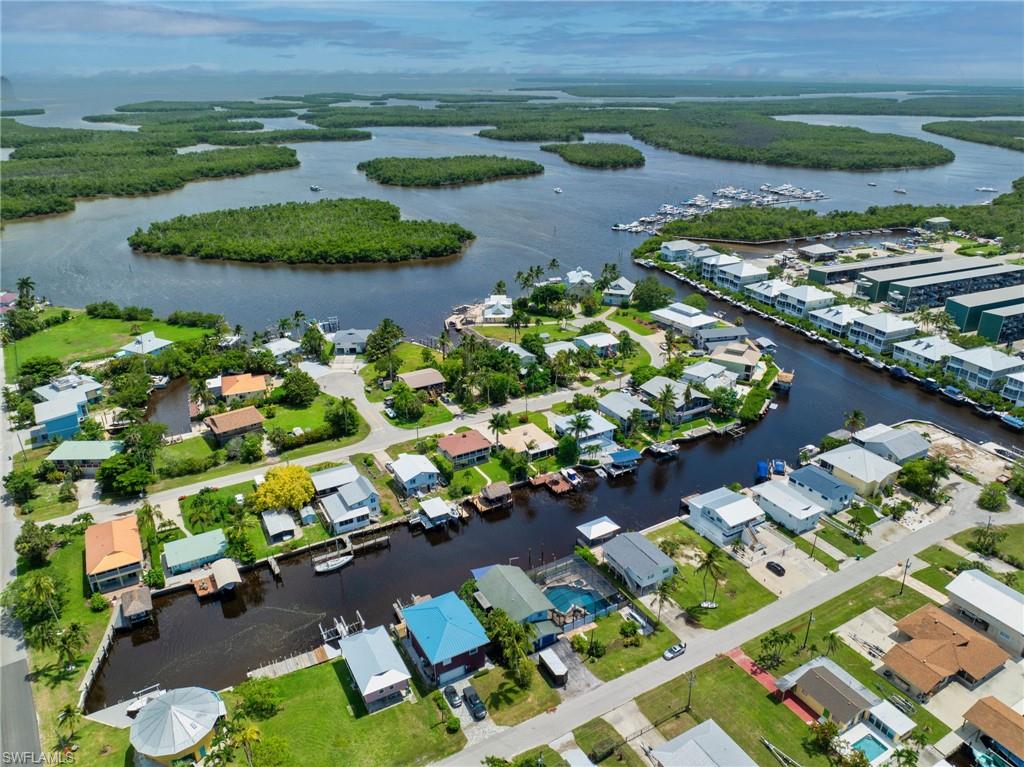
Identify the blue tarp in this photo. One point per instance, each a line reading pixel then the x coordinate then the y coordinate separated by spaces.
pixel 762 470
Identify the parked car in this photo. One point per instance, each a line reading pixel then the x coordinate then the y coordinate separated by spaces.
pixel 776 568
pixel 389 412
pixel 476 706
pixel 674 651
pixel 452 696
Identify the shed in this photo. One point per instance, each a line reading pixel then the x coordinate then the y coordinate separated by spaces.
pixel 136 603
pixel 558 671
pixel 225 574
pixel 596 530
pixel 278 525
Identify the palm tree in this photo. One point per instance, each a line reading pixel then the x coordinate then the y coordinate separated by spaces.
pixel 70 643
pixel 498 423
pixel 523 279
pixel 854 420
pixel 711 565
pixel 938 468
pixel 831 643
pixel 246 735
pixel 665 404
pixel 553 265
pixel 238 330
pixel 68 718
pixel 149 516
pixel 664 593
pixel 903 757
pixel 923 317
pixel 42 588
pixel 444 344
pixel 671 343
pixel 201 392
pixel 283 326
pixel 579 424
pixel 298 316
pixel 26 292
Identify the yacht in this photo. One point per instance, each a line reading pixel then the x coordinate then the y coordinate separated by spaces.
pixel 314 188
pixel 571 476
pixel 899 190
pixel 557 190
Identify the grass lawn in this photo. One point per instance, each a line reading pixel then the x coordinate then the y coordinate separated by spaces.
pixel 634 319
pixel 807 547
pixel 410 357
pixel 738 593
pixel 618 659
pixel 933 576
pixel 1011 545
pixel 508 704
pixel 879 592
pixel 323 716
pixel 548 755
pixel 503 333
pixel 227 493
pixel 741 706
pixel 433 414
pixel 865 514
pixel 85 338
pixel 495 471
pixel 597 730
pixel 382 481
pixel 287 417
pixel 328 444
pixel 44 505
pixel 465 482
pixel 102 746
pixel 843 542
pixel 195 447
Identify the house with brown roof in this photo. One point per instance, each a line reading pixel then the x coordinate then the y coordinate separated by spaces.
pixel 939 648
pixel 113 554
pixel 999 727
pixel 238 388
pixel 234 423
pixel 429 380
pixel 465 448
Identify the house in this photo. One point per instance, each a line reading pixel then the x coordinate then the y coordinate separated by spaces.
pixel 740 358
pixel 620 407
pixel 72 383
pixel 724 516
pixel 508 588
pixel 835 319
pixel 496 309
pixel 429 380
pixel 465 448
pixel 828 690
pixel 924 352
pixel 279 526
pixel 525 358
pixel 178 726
pixel 618 293
pixel 879 332
pixel 678 250
pixel 983 367
pixel 447 638
pixel 937 224
pixel 817 252
pixel 896 445
pixel 803 299
pixel 379 672
pixel 935 648
pixel 1013 389
pixel 682 318
pixel 329 481
pixel 146 343
pixel 186 554
pixel 711 266
pixel 787 506
pixel 704 745
pixel 684 408
pixel 596 531
pixel 605 344
pixel 709 338
pixel 638 562
pixel 350 341
pixel 436 511
pixel 710 375
pixel 59 418
pixel 113 554
pixel 83 456
pixel 415 473
pixel 282 349
pixel 579 283
pixel 599 430
pixel 234 423
pixel 990 607
pixel 1002 729
pixel 735 277
pixel 552 349
pixel 866 472
pixel 766 291
pixel 237 388
pixel 822 488
pixel 530 439
pixel 355 504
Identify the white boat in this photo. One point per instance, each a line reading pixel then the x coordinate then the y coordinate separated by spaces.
pixel 985 189
pixel 601 473
pixel 571 476
pixel 314 188
pixel 557 190
pixel 899 190
pixel 331 562
pixel 872 183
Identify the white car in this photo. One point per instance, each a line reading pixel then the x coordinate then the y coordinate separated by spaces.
pixel 389 412
pixel 674 651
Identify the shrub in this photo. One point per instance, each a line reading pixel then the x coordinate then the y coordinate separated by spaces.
pixel 628 629
pixel 993 497
pixel 453 725
pixel 97 602
pixel 579 644
pixel 154 579
pixel 260 698
pixel 34 543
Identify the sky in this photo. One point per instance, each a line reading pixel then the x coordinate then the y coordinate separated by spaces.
pixel 924 41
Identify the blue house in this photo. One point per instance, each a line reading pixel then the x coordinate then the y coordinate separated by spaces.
pixel 195 551
pixel 448 639
pixel 824 489
pixel 59 418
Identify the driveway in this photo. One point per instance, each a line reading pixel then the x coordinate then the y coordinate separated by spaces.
pixel 870 634
pixel 950 703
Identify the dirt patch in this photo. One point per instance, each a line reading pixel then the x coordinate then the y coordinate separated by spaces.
pixel 963 456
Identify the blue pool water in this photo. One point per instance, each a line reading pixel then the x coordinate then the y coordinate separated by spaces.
pixel 871 747
pixel 563 597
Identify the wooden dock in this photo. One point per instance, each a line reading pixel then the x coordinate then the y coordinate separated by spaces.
pixel 204 586
pixel 554 482
pixel 275 568
pixel 288 665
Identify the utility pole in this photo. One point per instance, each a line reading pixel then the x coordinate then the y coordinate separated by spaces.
pixel 807 633
pixel 906 569
pixel 814 545
pixel 691 680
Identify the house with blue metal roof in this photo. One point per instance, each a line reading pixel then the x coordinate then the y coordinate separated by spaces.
pixel 448 639
pixel 822 488
pixel 194 551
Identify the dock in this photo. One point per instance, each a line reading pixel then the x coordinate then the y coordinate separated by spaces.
pixel 554 482
pixel 295 663
pixel 784 381
pixel 204 586
pixel 275 568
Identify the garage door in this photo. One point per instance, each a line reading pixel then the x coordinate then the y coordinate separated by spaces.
pixel 448 676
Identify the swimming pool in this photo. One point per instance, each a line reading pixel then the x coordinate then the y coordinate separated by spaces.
pixel 871 747
pixel 564 597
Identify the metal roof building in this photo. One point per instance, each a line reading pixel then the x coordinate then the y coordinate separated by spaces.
pixel 177 724
pixel 830 273
pixel 933 290
pixel 966 309
pixel 874 284
pixel 1002 325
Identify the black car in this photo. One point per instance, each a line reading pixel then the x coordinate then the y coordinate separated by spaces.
pixel 776 568
pixel 452 696
pixel 473 703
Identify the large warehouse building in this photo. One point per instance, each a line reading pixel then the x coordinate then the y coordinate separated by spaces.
pixel 831 273
pixel 1003 325
pixel 908 295
pixel 874 285
pixel 966 310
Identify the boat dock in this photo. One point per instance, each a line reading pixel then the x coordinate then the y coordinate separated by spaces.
pixel 275 568
pixel 204 586
pixel 554 482
pixel 295 663
pixel 784 380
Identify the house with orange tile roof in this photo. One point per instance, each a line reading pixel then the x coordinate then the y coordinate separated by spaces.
pixel 465 448
pixel 113 554
pixel 937 649
pixel 237 388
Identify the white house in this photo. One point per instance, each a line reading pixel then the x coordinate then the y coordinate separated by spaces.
pixel 415 473
pixel 146 343
pixel 989 606
pixel 896 445
pixel 350 341
pixel 619 407
pixel 638 562
pixel 598 430
pixel 766 291
pixel 924 352
pixel 1013 389
pixel 821 488
pixel 984 367
pixel 787 506
pixel 723 516
pixel 706 745
pixel 678 250
pixel 684 324
pixel 879 332
pixel 711 375
pixel 605 344
pixel 525 358
pixel 281 348
pixel 579 282
pixel 835 319
pixel 72 383
pixel 619 292
pixel 553 348
pixel 710 267
pixel 802 299
pixel 329 481
pixel 864 471
pixel 737 276
pixel 353 506
pixel 377 668
pixel 684 409
pixel 497 308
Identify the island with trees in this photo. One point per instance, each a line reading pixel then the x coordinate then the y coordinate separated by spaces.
pixel 446 171
pixel 1008 134
pixel 596 154
pixel 342 231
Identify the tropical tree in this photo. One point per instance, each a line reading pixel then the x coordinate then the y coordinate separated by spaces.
pixel 286 487
pixel 665 404
pixel 670 344
pixel 381 344
pixel 283 326
pixel 627 345
pixel 26 292
pixel 985 540
pixel 43 589
pixel 923 317
pixel 854 420
pixel 711 565
pixel 831 643
pixel 200 392
pixel 298 317
pixel 244 735
pixel 903 757
pixel 498 423
pixel 664 591
pixel 444 344
pixel 772 645
pixel 68 718
pixel 669 546
pixel 517 322
pixel 579 424
pixel 553 265
pixel 70 643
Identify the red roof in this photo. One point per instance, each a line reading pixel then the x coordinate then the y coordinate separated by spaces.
pixel 463 443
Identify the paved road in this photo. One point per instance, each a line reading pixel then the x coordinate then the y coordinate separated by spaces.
pixel 546 728
pixel 19 731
